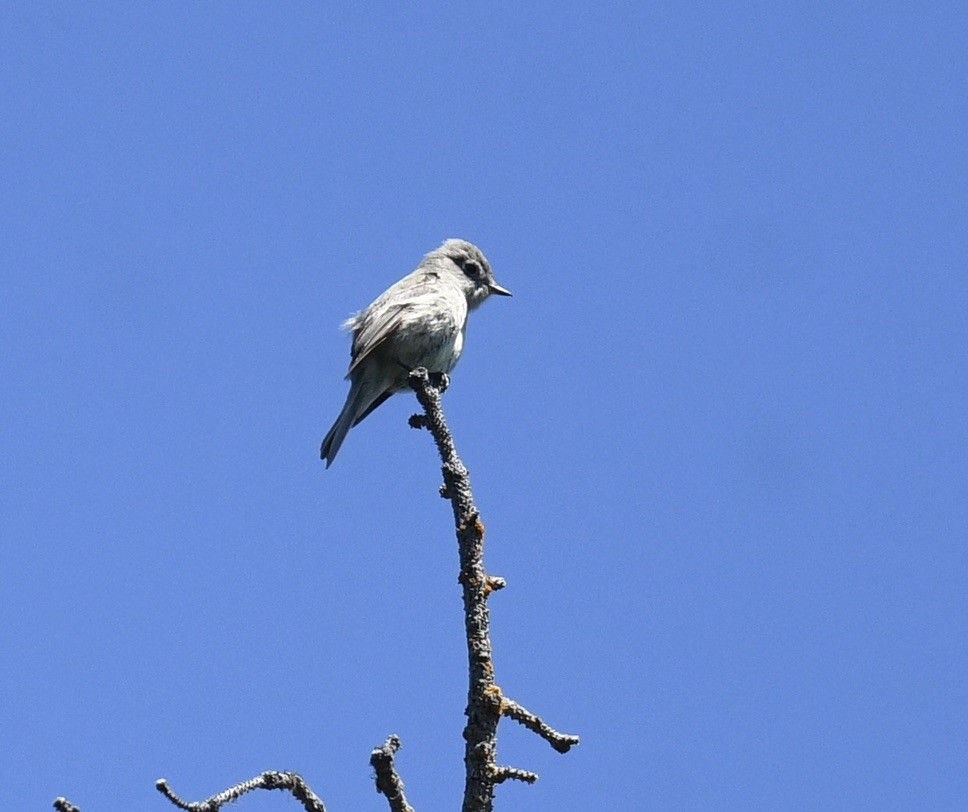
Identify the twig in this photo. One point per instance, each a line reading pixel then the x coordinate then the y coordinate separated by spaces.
pixel 388 782
pixel 292 782
pixel 562 742
pixel 502 774
pixel 63 805
pixel 485 703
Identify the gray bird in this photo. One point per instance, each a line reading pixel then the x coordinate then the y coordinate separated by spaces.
pixel 418 322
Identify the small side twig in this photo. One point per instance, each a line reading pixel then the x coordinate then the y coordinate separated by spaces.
pixel 562 742
pixel 289 781
pixel 502 774
pixel 388 783
pixel 63 805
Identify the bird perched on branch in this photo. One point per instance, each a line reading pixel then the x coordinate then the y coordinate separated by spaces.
pixel 418 322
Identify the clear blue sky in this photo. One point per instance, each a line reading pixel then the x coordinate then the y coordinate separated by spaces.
pixel 718 435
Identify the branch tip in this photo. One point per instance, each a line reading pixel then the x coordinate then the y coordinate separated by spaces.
pixel 388 782
pixel 418 376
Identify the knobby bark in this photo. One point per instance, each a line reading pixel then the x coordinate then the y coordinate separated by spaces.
pixel 388 783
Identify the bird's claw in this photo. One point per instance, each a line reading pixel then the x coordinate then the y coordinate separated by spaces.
pixel 439 381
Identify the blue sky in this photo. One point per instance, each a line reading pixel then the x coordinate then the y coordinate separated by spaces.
pixel 718 435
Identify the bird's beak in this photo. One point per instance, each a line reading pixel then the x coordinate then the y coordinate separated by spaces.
pixel 496 288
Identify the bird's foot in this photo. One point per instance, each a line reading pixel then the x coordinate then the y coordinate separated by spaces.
pixel 439 381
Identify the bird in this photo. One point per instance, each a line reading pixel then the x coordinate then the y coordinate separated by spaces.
pixel 419 321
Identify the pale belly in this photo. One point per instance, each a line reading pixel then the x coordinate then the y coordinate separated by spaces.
pixel 438 351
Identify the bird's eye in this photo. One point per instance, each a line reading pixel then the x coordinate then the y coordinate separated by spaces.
pixel 472 269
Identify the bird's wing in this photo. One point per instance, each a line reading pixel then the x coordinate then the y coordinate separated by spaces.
pixel 375 324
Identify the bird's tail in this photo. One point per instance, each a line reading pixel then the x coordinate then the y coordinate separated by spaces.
pixel 334 438
pixel 357 406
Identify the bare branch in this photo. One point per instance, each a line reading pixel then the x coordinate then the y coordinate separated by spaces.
pixel 483 712
pixel 485 703
pixel 63 805
pixel 562 742
pixel 388 783
pixel 289 781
